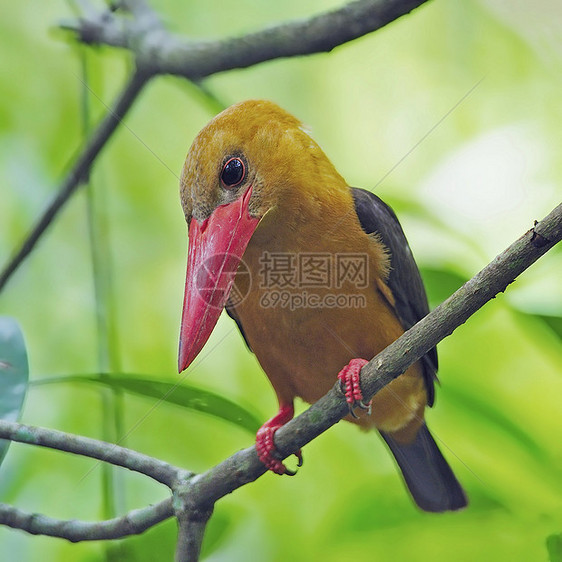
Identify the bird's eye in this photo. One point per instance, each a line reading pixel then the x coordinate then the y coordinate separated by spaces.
pixel 233 173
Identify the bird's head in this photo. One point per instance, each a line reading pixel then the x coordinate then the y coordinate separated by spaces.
pixel 245 163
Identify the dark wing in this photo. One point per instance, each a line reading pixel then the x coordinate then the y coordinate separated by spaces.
pixel 404 280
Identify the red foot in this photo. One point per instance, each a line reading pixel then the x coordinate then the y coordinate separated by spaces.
pixel 265 446
pixel 350 384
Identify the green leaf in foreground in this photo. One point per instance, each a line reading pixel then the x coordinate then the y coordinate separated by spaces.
pixel 186 396
pixel 14 373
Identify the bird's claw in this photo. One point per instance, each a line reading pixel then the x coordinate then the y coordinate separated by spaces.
pixel 266 450
pixel 362 406
pixel 265 446
pixel 300 462
pixel 350 386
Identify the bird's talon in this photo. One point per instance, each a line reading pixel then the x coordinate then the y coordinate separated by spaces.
pixel 265 445
pixel 364 406
pixel 350 386
pixel 275 465
pixel 300 462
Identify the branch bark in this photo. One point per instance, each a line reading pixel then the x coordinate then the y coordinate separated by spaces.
pixel 161 52
pixel 133 523
pixel 106 452
pixel 78 173
pixel 192 522
pixel 157 51
pixel 194 496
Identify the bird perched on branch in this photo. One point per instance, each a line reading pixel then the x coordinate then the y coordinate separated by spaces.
pixel 318 276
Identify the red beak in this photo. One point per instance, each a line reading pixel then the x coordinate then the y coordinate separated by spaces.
pixel 216 246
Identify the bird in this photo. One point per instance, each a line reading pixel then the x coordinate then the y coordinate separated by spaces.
pixel 317 275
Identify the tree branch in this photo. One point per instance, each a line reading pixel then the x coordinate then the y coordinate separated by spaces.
pixel 192 521
pixel 194 496
pixel 79 171
pixel 160 52
pixel 107 452
pixel 244 466
pixel 133 523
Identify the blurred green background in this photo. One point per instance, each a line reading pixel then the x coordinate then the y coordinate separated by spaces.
pixel 453 115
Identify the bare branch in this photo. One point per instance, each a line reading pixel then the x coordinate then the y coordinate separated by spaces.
pixel 192 521
pixel 133 523
pixel 79 171
pixel 160 52
pixel 106 452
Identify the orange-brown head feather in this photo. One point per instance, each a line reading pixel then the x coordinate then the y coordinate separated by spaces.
pixel 284 164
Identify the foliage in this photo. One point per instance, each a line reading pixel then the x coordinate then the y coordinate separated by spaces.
pixel 486 167
pixel 14 372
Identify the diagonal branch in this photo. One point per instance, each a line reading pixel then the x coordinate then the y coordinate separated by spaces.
pixel 78 173
pixel 161 52
pixel 195 495
pixel 245 467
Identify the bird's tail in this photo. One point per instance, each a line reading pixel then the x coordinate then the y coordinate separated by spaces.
pixel 429 478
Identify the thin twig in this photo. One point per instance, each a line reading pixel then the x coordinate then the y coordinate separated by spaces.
pixel 133 523
pixel 79 171
pixel 108 452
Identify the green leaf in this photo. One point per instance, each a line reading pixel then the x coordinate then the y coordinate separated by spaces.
pixel 183 395
pixel 14 373
pixel 554 547
pixel 186 396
